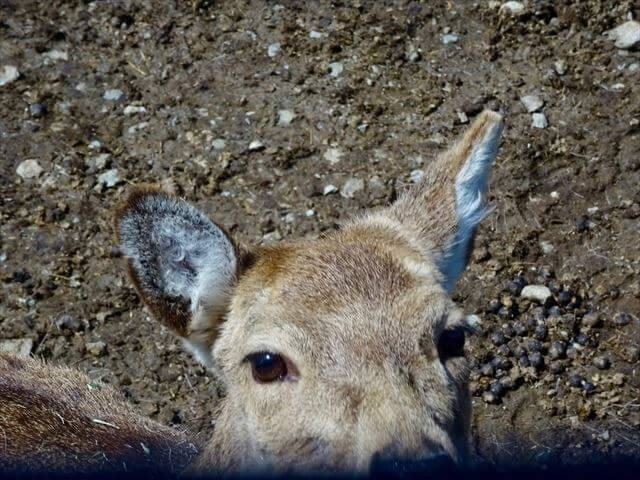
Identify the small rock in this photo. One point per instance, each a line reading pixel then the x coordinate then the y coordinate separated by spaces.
pixel 97 349
pixel 130 110
pixel 512 8
pixel 532 103
pixel 333 155
pixel 498 338
pixel 474 321
pixel 626 35
pixel 98 162
pixel 133 129
pixel 488 370
pixel 56 55
pixel 557 350
pixel 37 110
pixel 68 322
pixel 336 69
pixel 591 319
pixel 540 332
pixel 601 362
pixel 351 187
pixel 20 347
pixel 576 380
pixel 539 120
pixel 560 67
pixel 621 319
pixel 256 145
pixel 29 169
pixel 110 178
pixel 218 144
pixel 462 117
pixel 113 95
pixel 535 359
pixel 546 247
pixel 539 293
pixel 315 35
pixel 450 38
pixel 516 285
pixel 8 74
pixel 490 397
pixel 632 353
pixel 310 213
pixel 413 55
pixel 588 387
pixel 618 379
pixel 524 361
pixel 274 49
pixel 497 388
pixel 285 117
pixel 329 189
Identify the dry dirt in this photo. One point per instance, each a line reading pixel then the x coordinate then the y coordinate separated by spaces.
pixel 376 93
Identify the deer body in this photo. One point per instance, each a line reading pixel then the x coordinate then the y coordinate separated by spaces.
pixel 333 352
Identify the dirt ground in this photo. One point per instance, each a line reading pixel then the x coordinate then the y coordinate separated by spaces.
pixel 253 110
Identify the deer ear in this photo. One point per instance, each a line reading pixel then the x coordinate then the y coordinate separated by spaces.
pixel 446 207
pixel 183 265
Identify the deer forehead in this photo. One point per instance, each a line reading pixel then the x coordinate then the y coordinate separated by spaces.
pixel 344 300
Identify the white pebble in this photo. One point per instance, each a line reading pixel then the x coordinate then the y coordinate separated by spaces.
pixel 310 213
pixel 20 347
pixel 29 169
pixel 546 247
pixel 539 120
pixel 137 127
pixel 273 49
pixel 329 189
pixel 134 110
pixel 285 117
pixel 514 8
pixel 560 67
pixel 532 103
pixel 56 55
pixel 8 74
pixel 110 178
pixel 336 69
pixel 539 293
pixel 95 145
pixel 450 38
pixel 98 162
pixel 351 187
pixel 315 35
pixel 256 145
pixel 219 144
pixel 113 94
pixel 626 35
pixel 333 155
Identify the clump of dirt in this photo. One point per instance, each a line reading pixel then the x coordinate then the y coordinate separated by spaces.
pixel 281 120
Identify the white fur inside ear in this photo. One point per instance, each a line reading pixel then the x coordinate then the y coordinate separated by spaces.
pixel 471 187
pixel 176 251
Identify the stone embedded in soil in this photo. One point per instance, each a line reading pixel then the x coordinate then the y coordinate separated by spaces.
pixel 56 55
pixel 490 397
pixel 68 322
pixel 560 66
pixel 20 347
pixel 535 359
pixel 130 110
pixel 450 38
pixel 539 120
pixel 333 155
pixel 37 110
pixel 29 169
pixel 336 69
pixel 256 145
pixel 625 36
pixel 113 95
pixel 97 349
pixel 110 178
pixel 532 103
pixel 274 49
pixel 621 319
pixel 498 338
pixel 98 162
pixel 8 74
pixel 557 350
pixel 539 293
pixel 591 319
pixel 512 8
pixel 601 362
pixel 416 175
pixel 351 187
pixel 329 189
pixel 285 117
pixel 218 144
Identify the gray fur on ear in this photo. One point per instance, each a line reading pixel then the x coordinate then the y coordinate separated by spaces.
pixel 182 264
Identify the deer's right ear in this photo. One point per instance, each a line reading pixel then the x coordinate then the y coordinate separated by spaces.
pixel 183 265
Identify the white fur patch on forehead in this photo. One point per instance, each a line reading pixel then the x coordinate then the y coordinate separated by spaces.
pixel 471 187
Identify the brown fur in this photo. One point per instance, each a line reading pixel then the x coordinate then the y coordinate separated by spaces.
pixel 56 419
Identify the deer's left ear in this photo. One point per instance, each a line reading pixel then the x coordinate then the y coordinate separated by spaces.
pixel 446 207
pixel 184 266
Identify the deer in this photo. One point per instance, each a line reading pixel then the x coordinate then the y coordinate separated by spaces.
pixel 334 353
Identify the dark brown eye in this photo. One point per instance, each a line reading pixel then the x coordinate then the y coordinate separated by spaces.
pixel 267 367
pixel 451 343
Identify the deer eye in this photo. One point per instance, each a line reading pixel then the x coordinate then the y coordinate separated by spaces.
pixel 267 367
pixel 451 343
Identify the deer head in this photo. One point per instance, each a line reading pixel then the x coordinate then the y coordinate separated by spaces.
pixel 335 351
